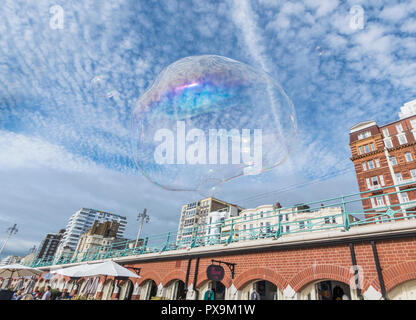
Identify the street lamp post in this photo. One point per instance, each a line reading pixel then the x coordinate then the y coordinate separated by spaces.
pixel 143 217
pixel 12 230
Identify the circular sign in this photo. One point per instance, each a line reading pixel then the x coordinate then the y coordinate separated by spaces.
pixel 215 272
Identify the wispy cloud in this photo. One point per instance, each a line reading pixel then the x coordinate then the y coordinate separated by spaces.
pixel 66 95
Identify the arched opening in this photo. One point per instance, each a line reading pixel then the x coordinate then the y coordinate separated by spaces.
pixel 260 290
pixel 212 290
pixel 326 290
pixel 108 289
pixel 81 287
pixel 175 290
pixel 126 290
pixel 403 291
pixel 149 290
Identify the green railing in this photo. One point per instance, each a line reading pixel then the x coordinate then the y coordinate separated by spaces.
pixel 342 213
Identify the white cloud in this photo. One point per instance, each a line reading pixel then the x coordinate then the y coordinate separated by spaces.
pixel 20 151
pixel 395 13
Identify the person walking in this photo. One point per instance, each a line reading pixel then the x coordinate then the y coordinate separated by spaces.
pixel 209 294
pixel 254 294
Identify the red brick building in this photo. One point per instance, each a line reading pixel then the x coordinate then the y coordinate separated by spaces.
pixel 385 156
pixel 373 261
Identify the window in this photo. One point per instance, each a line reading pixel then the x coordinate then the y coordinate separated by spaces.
pixel 374 181
pixel 405 197
pixel 387 143
pixel 380 201
pixel 381 180
pixel 386 132
pixel 302 224
pixel 366 148
pixel 408 156
pixel 377 163
pixel 368 183
pixel 364 135
pixel 413 123
pixel 399 177
pixel 399 127
pixel 361 150
pixel 402 139
pixel 393 161
pixel 413 173
pixel 364 167
pixel 370 165
pixel 372 147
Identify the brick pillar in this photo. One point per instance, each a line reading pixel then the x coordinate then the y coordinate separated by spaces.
pixel 116 292
pixel 136 291
pixel 100 288
pixel 75 289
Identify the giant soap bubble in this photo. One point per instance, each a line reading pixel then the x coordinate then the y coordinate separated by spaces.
pixel 209 119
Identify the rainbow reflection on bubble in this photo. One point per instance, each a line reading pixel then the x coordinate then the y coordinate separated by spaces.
pixel 210 92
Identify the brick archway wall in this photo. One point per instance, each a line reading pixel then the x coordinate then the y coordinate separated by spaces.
pixel 174 275
pixel 150 275
pixel 321 272
pixel 202 278
pixel 260 274
pixel 396 275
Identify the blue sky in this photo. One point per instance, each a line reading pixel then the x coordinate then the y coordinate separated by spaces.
pixel 66 97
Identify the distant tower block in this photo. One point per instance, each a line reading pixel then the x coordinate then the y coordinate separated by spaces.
pixel 408 109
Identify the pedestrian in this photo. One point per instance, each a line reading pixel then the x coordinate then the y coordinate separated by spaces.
pixel 47 294
pixel 209 294
pixel 254 294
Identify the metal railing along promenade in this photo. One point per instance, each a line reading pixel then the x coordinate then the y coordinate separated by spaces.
pixel 344 212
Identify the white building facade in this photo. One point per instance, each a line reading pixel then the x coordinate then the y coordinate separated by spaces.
pixel 81 221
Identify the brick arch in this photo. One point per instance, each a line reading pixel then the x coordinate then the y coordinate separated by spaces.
pixel 202 278
pixel 396 275
pixel 174 275
pixel 123 282
pixel 150 275
pixel 321 272
pixel 260 274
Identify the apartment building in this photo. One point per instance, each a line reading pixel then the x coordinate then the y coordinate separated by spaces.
pixel 97 239
pixel 196 214
pixel 83 220
pixel 384 157
pixel 49 245
pixel 264 220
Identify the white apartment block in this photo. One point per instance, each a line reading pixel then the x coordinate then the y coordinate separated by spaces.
pixel 263 220
pixel 196 214
pixel 81 221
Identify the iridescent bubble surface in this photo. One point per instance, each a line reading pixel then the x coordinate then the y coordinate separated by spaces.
pixel 209 119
